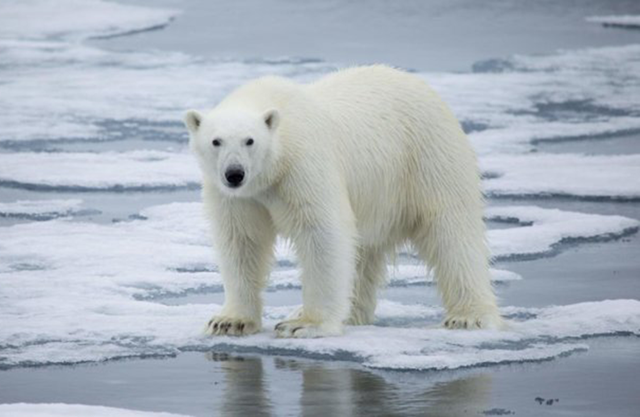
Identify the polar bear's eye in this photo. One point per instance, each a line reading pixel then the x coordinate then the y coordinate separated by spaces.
pixel 217 142
pixel 249 142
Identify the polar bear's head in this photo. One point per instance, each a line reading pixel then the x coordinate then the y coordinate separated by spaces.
pixel 236 149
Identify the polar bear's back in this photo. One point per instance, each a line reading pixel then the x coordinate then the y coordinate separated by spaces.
pixel 388 112
pixel 396 141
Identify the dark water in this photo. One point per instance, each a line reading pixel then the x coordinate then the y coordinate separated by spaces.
pixel 599 382
pixel 428 35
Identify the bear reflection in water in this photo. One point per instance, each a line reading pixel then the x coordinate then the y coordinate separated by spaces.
pixel 336 389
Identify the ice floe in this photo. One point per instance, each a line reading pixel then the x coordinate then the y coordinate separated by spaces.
pixel 112 171
pixel 545 229
pixel 625 21
pixel 76 19
pixel 573 175
pixel 76 291
pixel 61 91
pixel 41 209
pixel 148 329
pixel 548 333
pixel 594 177
pixel 524 99
pixel 71 410
pixel 170 252
pixel 91 94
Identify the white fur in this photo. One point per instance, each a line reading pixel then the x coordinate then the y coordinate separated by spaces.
pixel 348 168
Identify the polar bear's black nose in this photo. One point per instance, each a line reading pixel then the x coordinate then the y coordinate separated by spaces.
pixel 234 176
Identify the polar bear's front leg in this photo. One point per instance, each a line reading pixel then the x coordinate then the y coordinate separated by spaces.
pixel 244 237
pixel 327 257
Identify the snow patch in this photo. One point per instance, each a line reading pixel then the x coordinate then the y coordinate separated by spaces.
pixel 41 209
pixel 550 333
pixel 76 19
pixel 75 291
pixel 524 99
pixel 91 94
pixel 567 175
pixel 106 171
pixel 544 229
pixel 546 334
pixel 87 93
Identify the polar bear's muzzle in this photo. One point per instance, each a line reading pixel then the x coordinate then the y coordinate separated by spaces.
pixel 234 176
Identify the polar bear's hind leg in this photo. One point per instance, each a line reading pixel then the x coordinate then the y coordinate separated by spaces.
pixel 455 247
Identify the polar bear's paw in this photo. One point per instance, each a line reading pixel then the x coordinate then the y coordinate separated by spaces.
pixel 231 326
pixel 474 321
pixel 302 329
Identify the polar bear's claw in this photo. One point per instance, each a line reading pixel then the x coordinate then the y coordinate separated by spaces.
pixel 230 326
pixel 473 322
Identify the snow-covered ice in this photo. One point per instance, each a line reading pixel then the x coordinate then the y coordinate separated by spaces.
pixel 153 329
pixel 573 175
pixel 74 291
pixel 78 291
pixel 169 252
pixel 93 94
pixel 89 93
pixel 111 171
pixel 71 410
pixel 628 21
pixel 545 229
pixel 76 19
pixel 516 101
pixel 41 209
pixel 600 177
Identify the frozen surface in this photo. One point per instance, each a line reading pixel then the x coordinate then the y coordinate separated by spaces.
pixel 89 94
pixel 544 334
pixel 76 19
pixel 594 177
pixel 93 94
pixel 40 209
pixel 630 21
pixel 510 103
pixel 544 229
pixel 112 171
pixel 78 291
pixel 71 410
pixel 170 250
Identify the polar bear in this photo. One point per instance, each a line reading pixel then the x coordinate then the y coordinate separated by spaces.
pixel 348 168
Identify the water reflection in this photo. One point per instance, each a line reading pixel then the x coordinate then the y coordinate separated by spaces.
pixel 340 389
pixel 245 392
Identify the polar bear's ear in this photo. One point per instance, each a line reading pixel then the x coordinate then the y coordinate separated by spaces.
pixel 272 119
pixel 192 120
